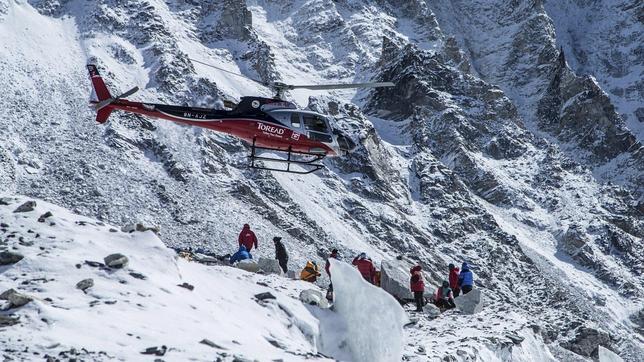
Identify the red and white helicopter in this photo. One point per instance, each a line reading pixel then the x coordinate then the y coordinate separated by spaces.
pixel 267 124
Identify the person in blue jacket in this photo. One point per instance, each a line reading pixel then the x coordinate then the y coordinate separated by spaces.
pixel 465 279
pixel 241 254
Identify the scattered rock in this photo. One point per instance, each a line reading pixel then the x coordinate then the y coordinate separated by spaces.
pixel 269 266
pixel 6 201
pixel 471 302
pixel 515 338
pixel 187 286
pixel 210 343
pixel 7 321
pixel 26 207
pixel 94 264
pixel 138 276
pixel 264 296
pixel 249 265
pixel 15 299
pixel 157 351
pixel 314 297
pixel 45 216
pixel 130 228
pixel 116 260
pixel 112 230
pixel 394 279
pixel 9 257
pixel 85 284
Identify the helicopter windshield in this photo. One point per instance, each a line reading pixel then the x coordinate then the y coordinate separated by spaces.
pixel 314 122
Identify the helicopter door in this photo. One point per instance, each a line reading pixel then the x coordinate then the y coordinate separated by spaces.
pixel 317 127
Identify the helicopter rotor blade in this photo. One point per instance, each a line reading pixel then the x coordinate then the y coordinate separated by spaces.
pixel 229 72
pixel 106 102
pixel 341 85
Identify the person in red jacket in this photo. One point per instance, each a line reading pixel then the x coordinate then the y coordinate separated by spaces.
pixel 365 267
pixel 417 286
pixel 453 279
pixel 247 238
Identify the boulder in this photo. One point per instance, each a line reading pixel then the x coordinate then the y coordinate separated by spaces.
pixel 291 274
pixel 606 355
pixel 26 207
pixel 269 266
pixel 249 265
pixel 15 299
pixel 431 310
pixel 116 260
pixel 265 296
pixel 471 302
pixel 394 279
pixel 85 284
pixel 587 341
pixel 9 257
pixel 314 297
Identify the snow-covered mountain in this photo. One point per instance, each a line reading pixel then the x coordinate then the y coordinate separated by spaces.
pixel 512 140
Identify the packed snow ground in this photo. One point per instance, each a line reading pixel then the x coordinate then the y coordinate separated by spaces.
pixel 122 315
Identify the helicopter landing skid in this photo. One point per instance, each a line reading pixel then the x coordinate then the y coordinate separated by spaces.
pixel 310 164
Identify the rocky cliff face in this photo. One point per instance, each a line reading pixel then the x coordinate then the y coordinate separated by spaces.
pixel 491 148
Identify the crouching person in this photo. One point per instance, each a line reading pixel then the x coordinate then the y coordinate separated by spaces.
pixel 444 298
pixel 241 254
pixel 311 272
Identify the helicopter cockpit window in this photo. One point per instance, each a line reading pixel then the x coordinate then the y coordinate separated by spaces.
pixel 315 123
pixel 295 120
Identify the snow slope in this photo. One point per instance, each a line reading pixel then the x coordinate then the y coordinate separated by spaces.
pixel 122 315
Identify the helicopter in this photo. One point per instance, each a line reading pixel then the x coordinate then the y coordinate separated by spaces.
pixel 290 136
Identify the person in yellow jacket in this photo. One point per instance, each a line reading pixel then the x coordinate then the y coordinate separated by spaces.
pixel 311 272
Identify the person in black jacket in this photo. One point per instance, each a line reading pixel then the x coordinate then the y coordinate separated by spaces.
pixel 280 253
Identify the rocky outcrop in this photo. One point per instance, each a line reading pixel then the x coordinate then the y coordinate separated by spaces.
pixel 588 340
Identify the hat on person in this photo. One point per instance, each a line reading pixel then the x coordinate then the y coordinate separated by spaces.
pixel 277 238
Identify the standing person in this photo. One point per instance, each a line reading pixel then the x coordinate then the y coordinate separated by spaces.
pixel 465 279
pixel 327 268
pixel 247 238
pixel 417 286
pixel 444 297
pixel 453 279
pixel 310 273
pixel 280 253
pixel 365 267
pixel 327 265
